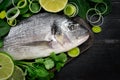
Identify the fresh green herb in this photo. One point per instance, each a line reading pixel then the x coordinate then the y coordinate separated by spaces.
pixel 41 68
pixel 49 63
pixel 4 28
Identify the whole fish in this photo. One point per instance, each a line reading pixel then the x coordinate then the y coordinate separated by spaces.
pixel 42 34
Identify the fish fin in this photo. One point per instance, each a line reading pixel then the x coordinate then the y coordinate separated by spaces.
pixel 45 44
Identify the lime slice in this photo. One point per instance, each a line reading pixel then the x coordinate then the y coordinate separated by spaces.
pixel 18 74
pixel 53 5
pixel 74 52
pixel 96 29
pixel 6 66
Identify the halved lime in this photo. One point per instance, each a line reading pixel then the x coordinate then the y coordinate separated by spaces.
pixel 18 74
pixel 6 66
pixel 53 5
pixel 74 52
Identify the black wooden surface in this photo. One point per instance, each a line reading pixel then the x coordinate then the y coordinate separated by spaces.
pixel 102 60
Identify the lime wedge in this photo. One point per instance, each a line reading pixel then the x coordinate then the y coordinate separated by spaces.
pixel 18 74
pixel 53 5
pixel 74 52
pixel 6 66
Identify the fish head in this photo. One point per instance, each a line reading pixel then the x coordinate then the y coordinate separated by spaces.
pixel 71 34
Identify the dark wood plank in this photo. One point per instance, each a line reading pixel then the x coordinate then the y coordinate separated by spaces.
pixel 102 60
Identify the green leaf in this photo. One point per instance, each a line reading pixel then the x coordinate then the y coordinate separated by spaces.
pixel 83 6
pixel 54 56
pixel 6 4
pixel 97 1
pixel 39 60
pixel 59 66
pixel 49 63
pixel 1 43
pixel 41 71
pixel 4 28
pixel 62 57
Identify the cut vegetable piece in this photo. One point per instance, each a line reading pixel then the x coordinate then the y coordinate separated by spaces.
pixel 22 4
pixel 98 23
pixel 53 5
pixel 2 14
pixel 100 6
pixel 12 22
pixel 92 11
pixel 74 52
pixel 18 74
pixel 6 66
pixel 96 29
pixel 12 13
pixel 71 10
pixel 34 7
pixel 94 16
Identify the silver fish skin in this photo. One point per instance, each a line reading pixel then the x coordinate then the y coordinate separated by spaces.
pixel 42 34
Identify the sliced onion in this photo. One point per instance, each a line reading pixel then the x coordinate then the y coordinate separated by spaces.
pixel 15 13
pixel 98 23
pixel 12 22
pixel 98 4
pixel 34 5
pixel 23 2
pixel 92 16
pixel 96 12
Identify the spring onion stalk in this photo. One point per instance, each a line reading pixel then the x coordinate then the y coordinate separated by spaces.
pixel 96 12
pixel 12 22
pixel 71 9
pixel 34 7
pixel 22 4
pixel 24 10
pixel 97 6
pixel 12 13
pixel 98 23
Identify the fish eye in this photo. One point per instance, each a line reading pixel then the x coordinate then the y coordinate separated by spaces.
pixel 73 27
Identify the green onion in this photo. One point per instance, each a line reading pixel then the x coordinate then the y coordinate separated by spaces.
pixel 12 13
pixel 34 7
pixel 94 12
pixel 96 29
pixel 99 5
pixel 22 4
pixel 71 9
pixel 2 14
pixel 12 22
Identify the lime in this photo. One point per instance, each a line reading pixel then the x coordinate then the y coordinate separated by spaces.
pixel 18 74
pixel 96 29
pixel 6 66
pixel 53 5
pixel 74 52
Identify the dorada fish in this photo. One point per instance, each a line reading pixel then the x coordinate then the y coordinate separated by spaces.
pixel 42 34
